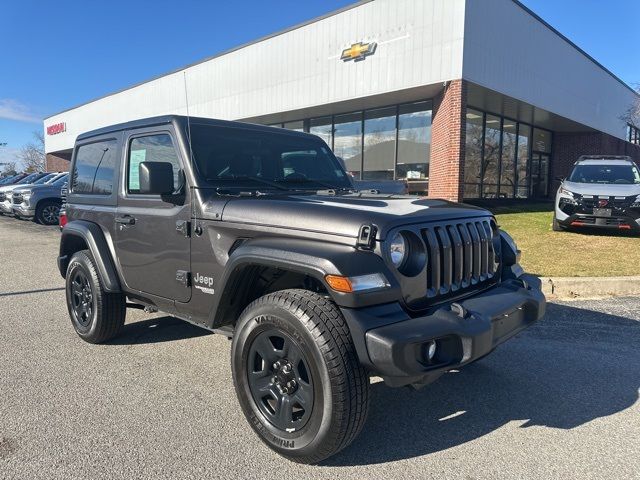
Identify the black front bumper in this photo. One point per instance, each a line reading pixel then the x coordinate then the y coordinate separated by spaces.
pixel 395 346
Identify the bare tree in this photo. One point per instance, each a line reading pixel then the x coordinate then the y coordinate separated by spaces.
pixel 32 154
pixel 10 168
pixel 632 114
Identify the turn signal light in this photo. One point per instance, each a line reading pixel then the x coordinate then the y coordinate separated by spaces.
pixel 339 284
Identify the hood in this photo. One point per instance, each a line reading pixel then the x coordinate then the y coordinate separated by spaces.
pixel 601 190
pixel 340 215
pixel 34 188
pixel 11 188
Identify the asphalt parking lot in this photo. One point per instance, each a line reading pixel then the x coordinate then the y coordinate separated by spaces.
pixel 559 401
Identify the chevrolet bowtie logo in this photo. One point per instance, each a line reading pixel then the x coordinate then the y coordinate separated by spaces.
pixel 358 51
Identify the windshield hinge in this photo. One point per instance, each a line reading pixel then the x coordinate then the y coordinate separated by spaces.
pixel 367 237
pixel 183 227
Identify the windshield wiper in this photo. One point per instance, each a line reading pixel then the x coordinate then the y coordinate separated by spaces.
pixel 255 179
pixel 319 182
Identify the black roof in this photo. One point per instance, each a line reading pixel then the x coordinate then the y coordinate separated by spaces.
pixel 181 121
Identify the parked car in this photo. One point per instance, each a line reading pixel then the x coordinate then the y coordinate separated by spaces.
pixel 600 192
pixel 10 180
pixel 5 191
pixel 318 286
pixel 42 202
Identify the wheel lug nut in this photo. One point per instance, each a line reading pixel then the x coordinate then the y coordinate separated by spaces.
pixel 286 368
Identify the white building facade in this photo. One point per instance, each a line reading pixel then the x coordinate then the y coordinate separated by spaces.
pixel 463 98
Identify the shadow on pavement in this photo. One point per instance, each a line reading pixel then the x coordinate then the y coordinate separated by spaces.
pixel 157 330
pixel 575 366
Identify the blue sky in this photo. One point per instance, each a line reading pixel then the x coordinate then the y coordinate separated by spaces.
pixel 54 55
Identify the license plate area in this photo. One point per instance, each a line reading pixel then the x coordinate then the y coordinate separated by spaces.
pixel 602 212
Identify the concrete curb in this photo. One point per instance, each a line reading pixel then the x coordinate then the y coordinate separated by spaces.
pixel 590 287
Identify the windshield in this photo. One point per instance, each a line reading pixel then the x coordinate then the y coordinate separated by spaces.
pixel 228 157
pixel 44 179
pixel 28 179
pixel 606 174
pixel 60 180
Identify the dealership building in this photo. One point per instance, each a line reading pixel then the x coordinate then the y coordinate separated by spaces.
pixel 464 99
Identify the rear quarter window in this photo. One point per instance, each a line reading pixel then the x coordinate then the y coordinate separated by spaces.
pixel 94 168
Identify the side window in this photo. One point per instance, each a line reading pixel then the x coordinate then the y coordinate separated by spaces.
pixel 153 148
pixel 94 169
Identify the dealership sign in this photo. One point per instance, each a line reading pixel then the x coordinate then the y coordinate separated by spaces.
pixel 358 51
pixel 56 128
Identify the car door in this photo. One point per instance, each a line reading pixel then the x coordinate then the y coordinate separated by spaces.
pixel 152 235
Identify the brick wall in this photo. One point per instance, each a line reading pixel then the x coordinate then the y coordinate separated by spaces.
pixel 567 147
pixel 58 162
pixel 447 142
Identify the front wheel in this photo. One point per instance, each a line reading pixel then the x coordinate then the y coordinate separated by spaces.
pixel 48 212
pixel 297 375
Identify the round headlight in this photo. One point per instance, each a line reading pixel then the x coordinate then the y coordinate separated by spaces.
pixel 398 249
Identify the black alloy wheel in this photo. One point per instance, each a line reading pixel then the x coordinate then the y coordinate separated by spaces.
pixel 280 380
pixel 82 301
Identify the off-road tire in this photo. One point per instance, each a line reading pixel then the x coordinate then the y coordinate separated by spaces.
pixel 107 310
pixel 340 383
pixel 44 211
pixel 556 225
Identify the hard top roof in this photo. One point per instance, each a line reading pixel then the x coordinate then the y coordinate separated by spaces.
pixel 180 122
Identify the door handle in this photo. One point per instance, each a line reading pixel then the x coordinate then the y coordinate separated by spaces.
pixel 126 220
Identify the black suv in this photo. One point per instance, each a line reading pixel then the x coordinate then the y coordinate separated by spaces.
pixel 257 233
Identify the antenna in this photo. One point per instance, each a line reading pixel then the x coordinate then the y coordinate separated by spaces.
pixel 186 97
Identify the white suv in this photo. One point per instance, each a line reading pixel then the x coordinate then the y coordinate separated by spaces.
pixel 603 192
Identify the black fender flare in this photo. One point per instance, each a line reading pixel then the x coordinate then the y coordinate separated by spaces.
pixel 313 258
pixel 96 242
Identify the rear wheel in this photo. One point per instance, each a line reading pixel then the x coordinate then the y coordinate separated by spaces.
pixel 48 212
pixel 297 375
pixel 96 316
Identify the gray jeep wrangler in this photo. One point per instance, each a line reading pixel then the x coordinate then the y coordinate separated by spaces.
pixel 257 233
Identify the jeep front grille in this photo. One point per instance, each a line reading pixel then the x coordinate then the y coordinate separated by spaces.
pixel 461 256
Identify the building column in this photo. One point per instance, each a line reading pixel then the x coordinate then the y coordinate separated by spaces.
pixel 58 161
pixel 446 169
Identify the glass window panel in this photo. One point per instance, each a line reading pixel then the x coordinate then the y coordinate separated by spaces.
pixel 491 156
pixel 541 140
pixel 414 141
pixel 153 148
pixel 94 168
pixel 322 128
pixel 508 163
pixel 297 126
pixel 524 139
pixel 347 142
pixel 379 144
pixel 473 153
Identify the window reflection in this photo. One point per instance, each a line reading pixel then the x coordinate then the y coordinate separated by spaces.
pixel 498 161
pixel 473 153
pixel 508 163
pixel 322 128
pixel 524 139
pixel 347 141
pixel 379 144
pixel 491 157
pixel 414 141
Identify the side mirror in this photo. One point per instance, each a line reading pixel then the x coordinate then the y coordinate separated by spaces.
pixel 560 179
pixel 156 178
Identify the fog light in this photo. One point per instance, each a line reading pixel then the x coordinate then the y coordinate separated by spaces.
pixel 431 350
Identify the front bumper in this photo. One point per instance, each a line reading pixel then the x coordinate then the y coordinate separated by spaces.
pixel 22 211
pixel 619 221
pixel 394 346
pixel 5 207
